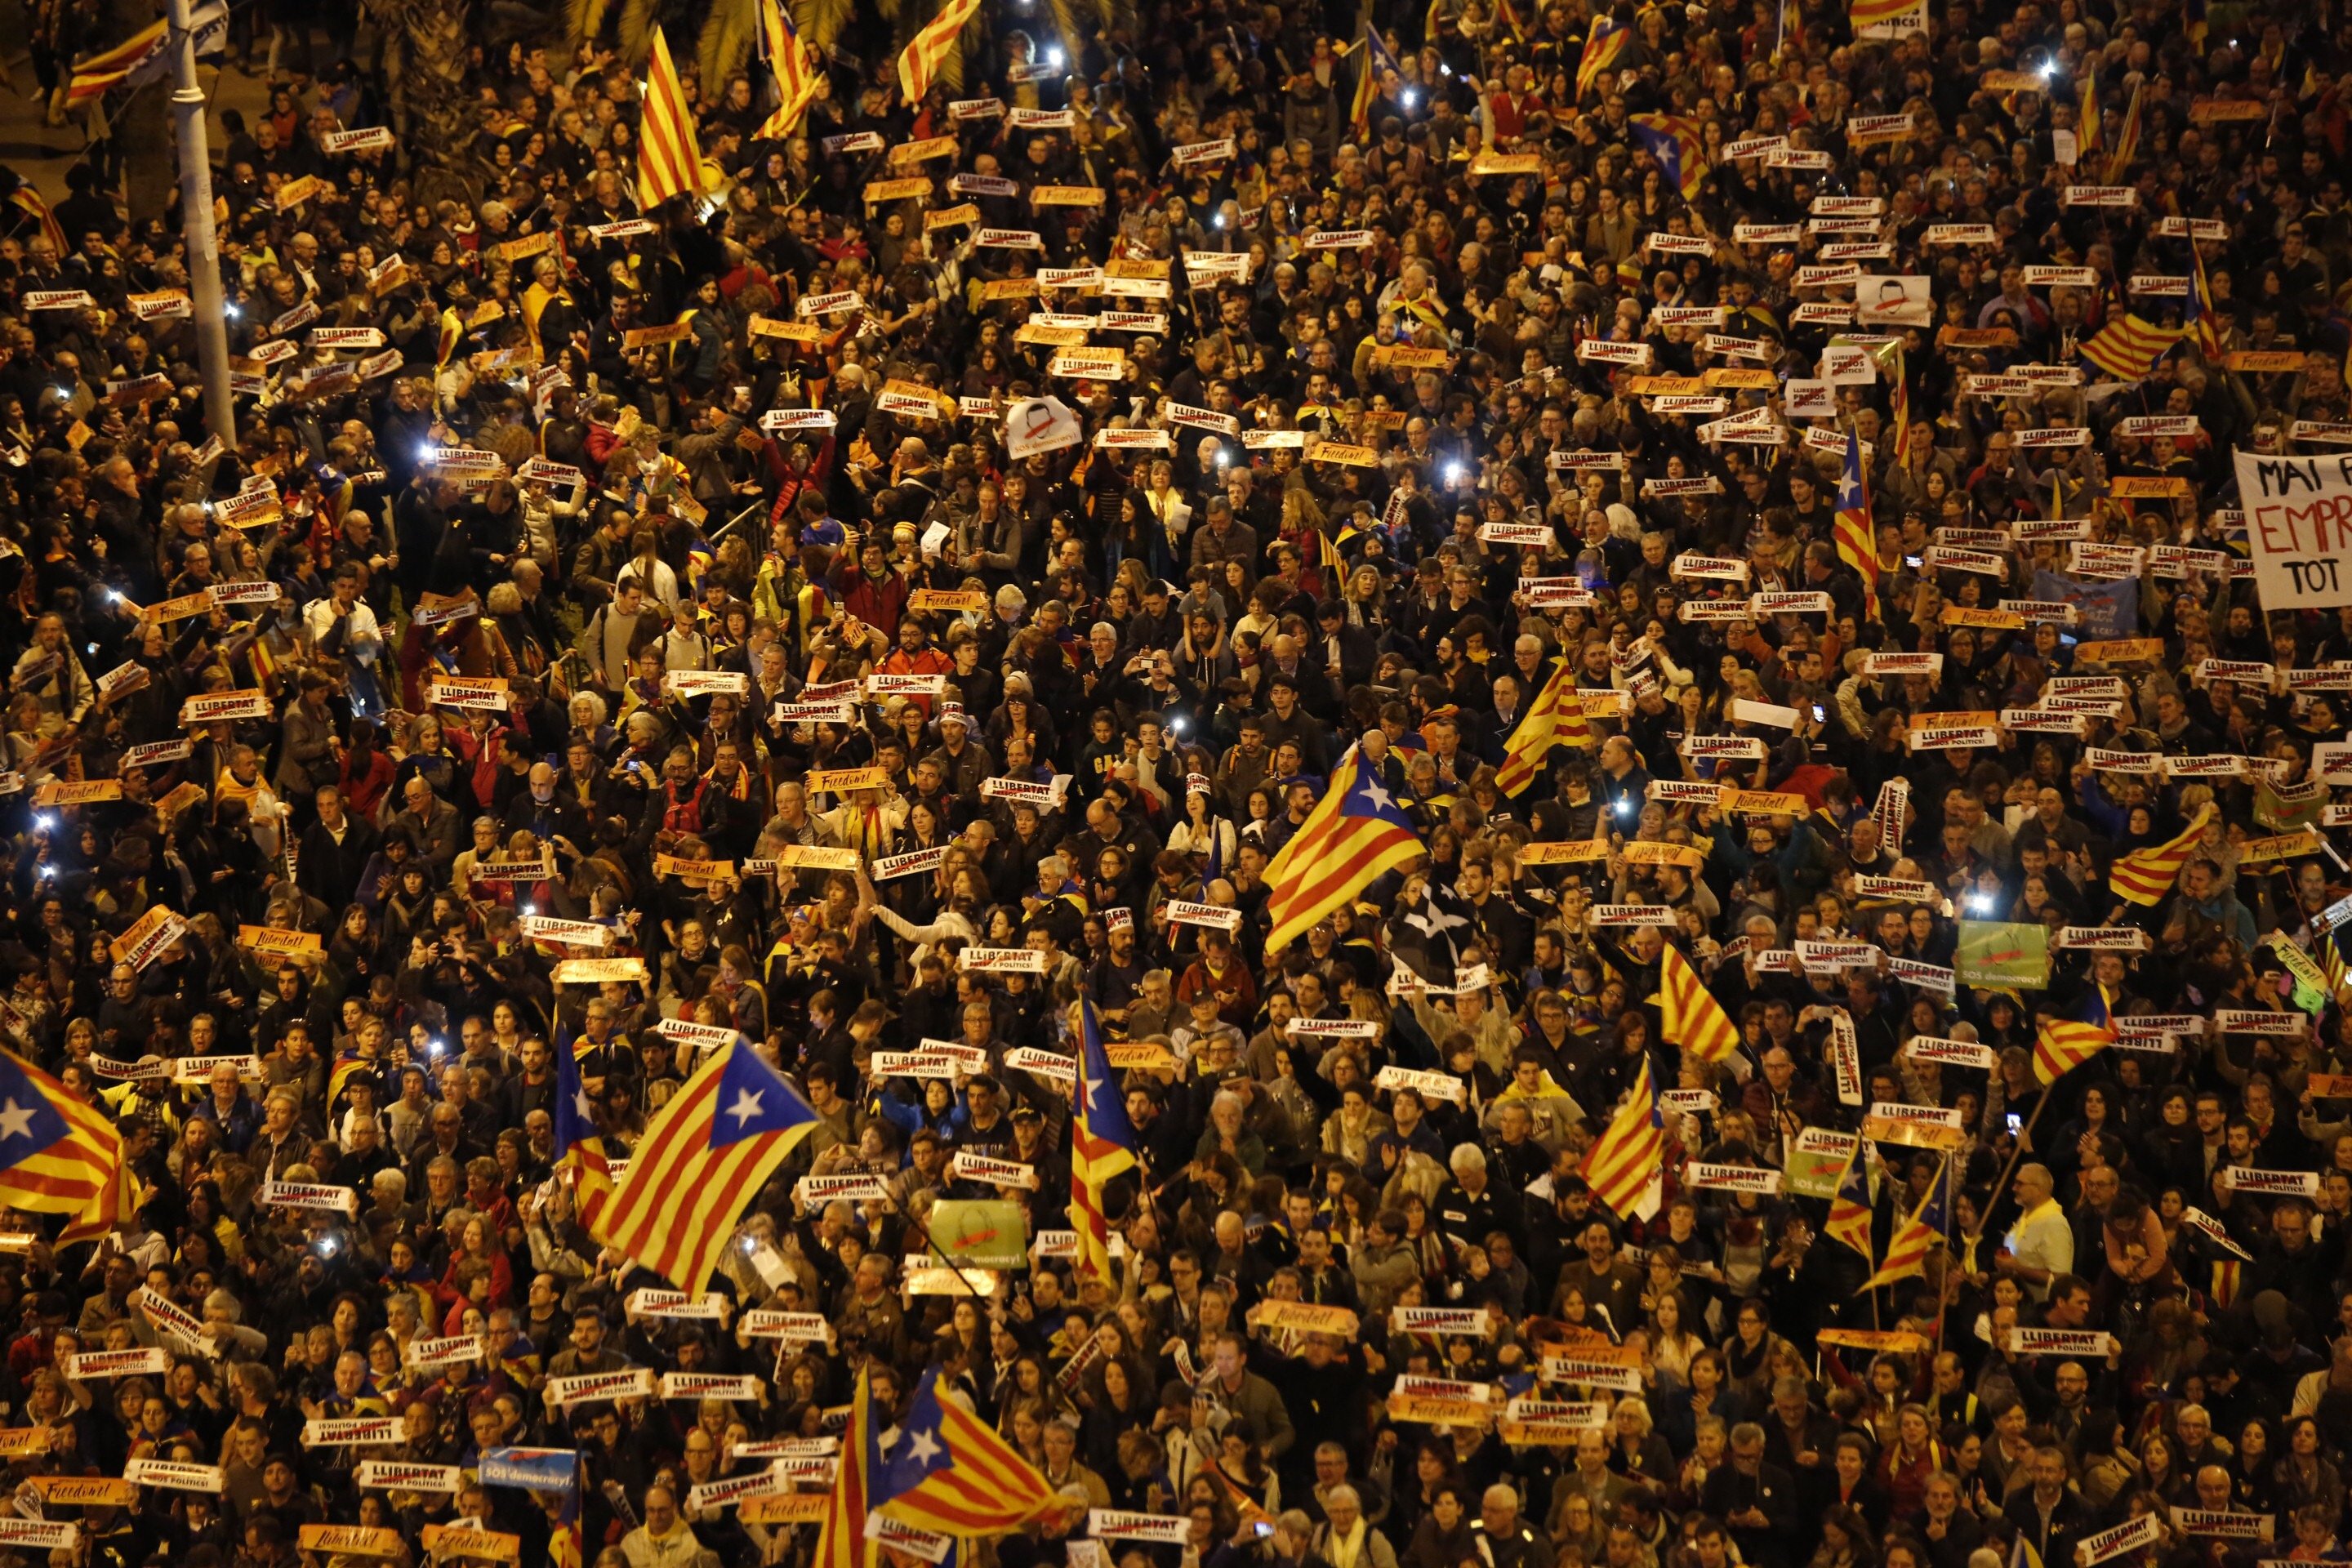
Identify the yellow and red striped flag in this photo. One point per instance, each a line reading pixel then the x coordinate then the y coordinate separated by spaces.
pixel 1102 1144
pixel 1850 1208
pixel 705 1155
pixel 26 199
pixel 1604 45
pixel 1692 1017
pixel 669 159
pixel 1356 832
pixel 840 1537
pixel 2145 876
pixel 1554 718
pixel 100 72
pixel 918 62
pixel 2064 1045
pixel 948 1472
pixel 1625 1163
pixel 2128 346
pixel 1850 525
pixel 2204 323
pixel 795 74
pixel 57 1155
pixel 2126 140
pixel 2086 118
pixel 1907 1249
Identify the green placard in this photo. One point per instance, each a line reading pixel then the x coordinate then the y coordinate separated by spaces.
pixel 980 1233
pixel 2001 953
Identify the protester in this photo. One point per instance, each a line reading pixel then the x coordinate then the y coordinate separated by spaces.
pixel 1617 656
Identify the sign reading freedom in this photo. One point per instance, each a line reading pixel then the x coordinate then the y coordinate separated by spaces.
pixel 2299 528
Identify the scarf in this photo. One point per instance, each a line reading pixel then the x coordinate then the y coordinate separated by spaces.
pixel 1346 1551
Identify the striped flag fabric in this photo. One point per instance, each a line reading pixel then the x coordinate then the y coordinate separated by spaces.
pixel 949 1472
pixel 1691 1017
pixel 1679 145
pixel 1555 718
pixel 920 61
pixel 2127 139
pixel 1850 1206
pixel 1604 46
pixel 1624 1164
pixel 1354 834
pixel 704 1156
pixel 101 72
pixel 796 75
pixel 57 1155
pixel 579 1147
pixel 25 198
pixel 1850 525
pixel 2065 1044
pixel 2086 118
pixel 1879 13
pixel 2128 346
pixel 2145 876
pixel 840 1537
pixel 2225 1281
pixel 2204 322
pixel 1102 1143
pixel 669 159
pixel 1372 57
pixel 1907 1249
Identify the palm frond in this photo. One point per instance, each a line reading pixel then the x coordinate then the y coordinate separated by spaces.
pixel 584 19
pixel 821 21
pixel 725 44
pixel 639 18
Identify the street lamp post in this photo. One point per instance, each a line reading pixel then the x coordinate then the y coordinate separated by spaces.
pixel 196 220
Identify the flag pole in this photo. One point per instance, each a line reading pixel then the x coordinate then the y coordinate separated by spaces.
pixel 2016 1150
pixel 196 224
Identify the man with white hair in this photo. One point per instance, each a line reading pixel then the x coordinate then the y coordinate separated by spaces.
pixel 1503 1539
pixel 1473 1206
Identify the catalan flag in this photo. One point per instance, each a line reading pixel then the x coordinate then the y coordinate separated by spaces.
pixel 669 159
pixel 796 73
pixel 2128 346
pixel 1865 14
pixel 2064 1045
pixel 2204 322
pixel 1907 1249
pixel 1554 718
pixel 1102 1144
pixel 2126 140
pixel 1373 58
pixel 1856 546
pixel 704 1156
pixel 841 1538
pixel 1850 1206
pixel 1676 141
pixel 2145 876
pixel 579 1147
pixel 1691 1017
pixel 918 62
pixel 57 1155
pixel 1604 46
pixel 1356 832
pixel 949 1472
pixel 101 73
pixel 2086 117
pixel 1623 1165
pixel 27 199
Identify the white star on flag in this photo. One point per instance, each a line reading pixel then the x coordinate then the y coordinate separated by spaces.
pixel 746 1106
pixel 16 1122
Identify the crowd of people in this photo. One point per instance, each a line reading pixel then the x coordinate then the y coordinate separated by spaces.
pixel 1709 466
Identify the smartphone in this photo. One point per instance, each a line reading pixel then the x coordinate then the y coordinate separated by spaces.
pixel 2016 1123
pixel 1818 714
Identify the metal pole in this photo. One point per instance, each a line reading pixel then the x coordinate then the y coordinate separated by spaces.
pixel 196 218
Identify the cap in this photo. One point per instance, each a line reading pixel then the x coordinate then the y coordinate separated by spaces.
pixel 953 714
